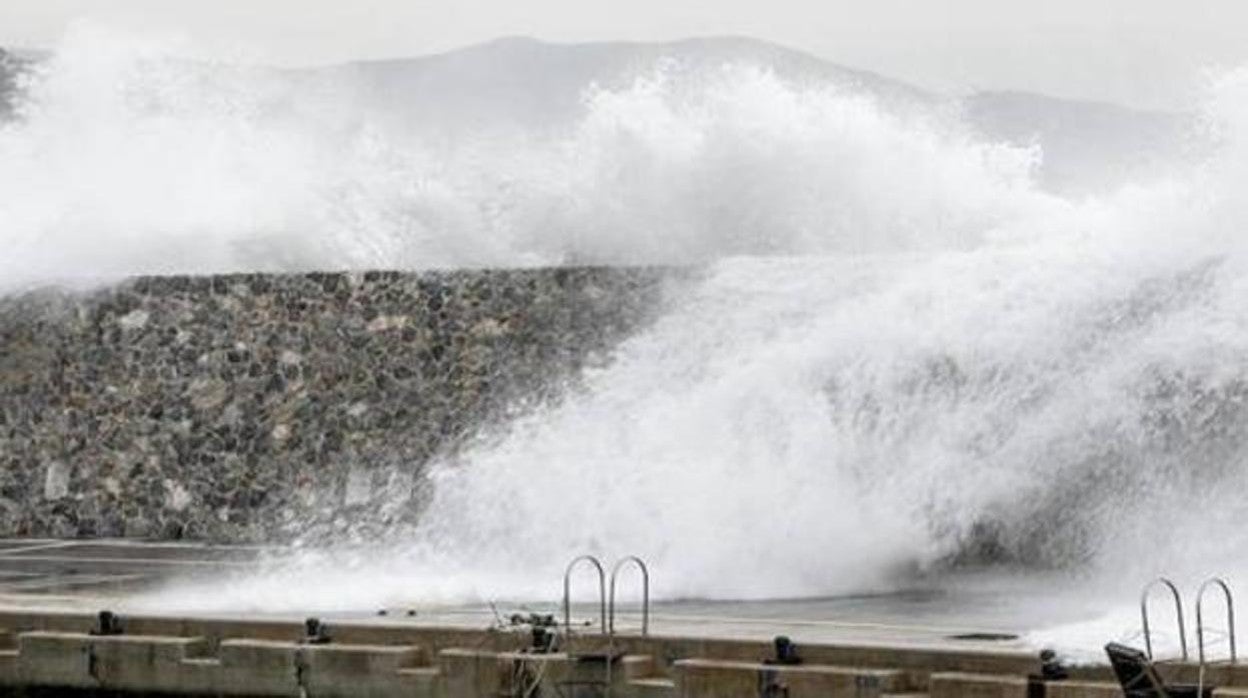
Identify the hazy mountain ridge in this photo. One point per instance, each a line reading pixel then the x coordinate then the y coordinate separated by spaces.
pixel 535 86
pixel 530 80
pixel 1086 145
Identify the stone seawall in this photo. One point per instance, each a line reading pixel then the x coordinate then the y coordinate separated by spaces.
pixel 261 407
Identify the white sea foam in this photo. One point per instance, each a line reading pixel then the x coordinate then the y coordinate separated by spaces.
pixel 129 160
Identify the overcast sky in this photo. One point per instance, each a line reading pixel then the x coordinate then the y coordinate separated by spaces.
pixel 1140 52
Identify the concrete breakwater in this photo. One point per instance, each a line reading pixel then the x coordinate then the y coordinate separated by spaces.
pixel 69 655
pixel 260 407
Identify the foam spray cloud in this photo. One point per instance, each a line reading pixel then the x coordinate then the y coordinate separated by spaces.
pixel 126 160
pixel 900 353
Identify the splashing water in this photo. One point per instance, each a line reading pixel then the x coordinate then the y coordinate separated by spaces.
pixel 128 161
pixel 900 354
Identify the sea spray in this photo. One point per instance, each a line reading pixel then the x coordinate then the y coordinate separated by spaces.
pixel 128 160
pixel 902 357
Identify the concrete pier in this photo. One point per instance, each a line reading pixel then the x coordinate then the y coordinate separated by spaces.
pixel 237 657
pixel 53 642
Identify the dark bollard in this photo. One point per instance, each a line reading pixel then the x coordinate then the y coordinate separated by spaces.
pixel 315 632
pixel 1050 670
pixel 786 651
pixel 770 683
pixel 107 623
pixel 544 640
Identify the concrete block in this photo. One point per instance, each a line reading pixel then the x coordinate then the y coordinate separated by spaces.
pixel 260 667
pixel 55 659
pixel 647 688
pixel 467 673
pixel 706 677
pixel 364 671
pixel 78 660
pixel 1082 689
pixel 202 671
pixel 634 666
pixel 145 663
pixel 159 664
pixel 420 682
pixel 961 685
pixel 9 675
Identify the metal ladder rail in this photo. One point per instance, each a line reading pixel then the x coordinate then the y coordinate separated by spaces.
pixel 1178 609
pixel 567 593
pixel 645 594
pixel 604 687
pixel 1200 625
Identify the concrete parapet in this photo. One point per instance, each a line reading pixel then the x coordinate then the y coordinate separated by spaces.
pixel 1082 689
pixel 364 671
pixel 272 668
pixel 706 677
pixel 963 685
pixel 8 667
pixel 917 662
pixel 466 673
pixel 649 688
pixel 271 659
pixel 633 667
pixel 259 667
pixel 132 662
pixel 471 672
pixel 139 663
pixel 242 667
pixel 55 659
pixel 1218 673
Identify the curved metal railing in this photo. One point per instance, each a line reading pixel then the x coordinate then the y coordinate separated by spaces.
pixel 645 593
pixel 1178 610
pixel 1200 624
pixel 567 592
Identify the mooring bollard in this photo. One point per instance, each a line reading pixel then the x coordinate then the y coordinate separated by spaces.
pixel 315 632
pixel 107 623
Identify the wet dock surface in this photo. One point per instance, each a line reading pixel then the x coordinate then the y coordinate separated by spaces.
pixel 111 568
pixel 88 575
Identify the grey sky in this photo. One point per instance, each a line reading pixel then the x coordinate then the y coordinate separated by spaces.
pixel 1140 52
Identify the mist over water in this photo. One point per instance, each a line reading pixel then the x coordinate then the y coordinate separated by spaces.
pixel 900 355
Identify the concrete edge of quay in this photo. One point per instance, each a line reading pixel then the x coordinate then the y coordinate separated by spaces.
pixel 73 653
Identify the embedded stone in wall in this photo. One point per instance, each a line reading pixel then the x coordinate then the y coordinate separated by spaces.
pixel 359 487
pixel 134 320
pixel 56 482
pixel 177 498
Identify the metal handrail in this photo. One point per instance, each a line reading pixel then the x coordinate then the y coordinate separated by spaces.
pixel 1178 610
pixel 1200 624
pixel 645 593
pixel 567 592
